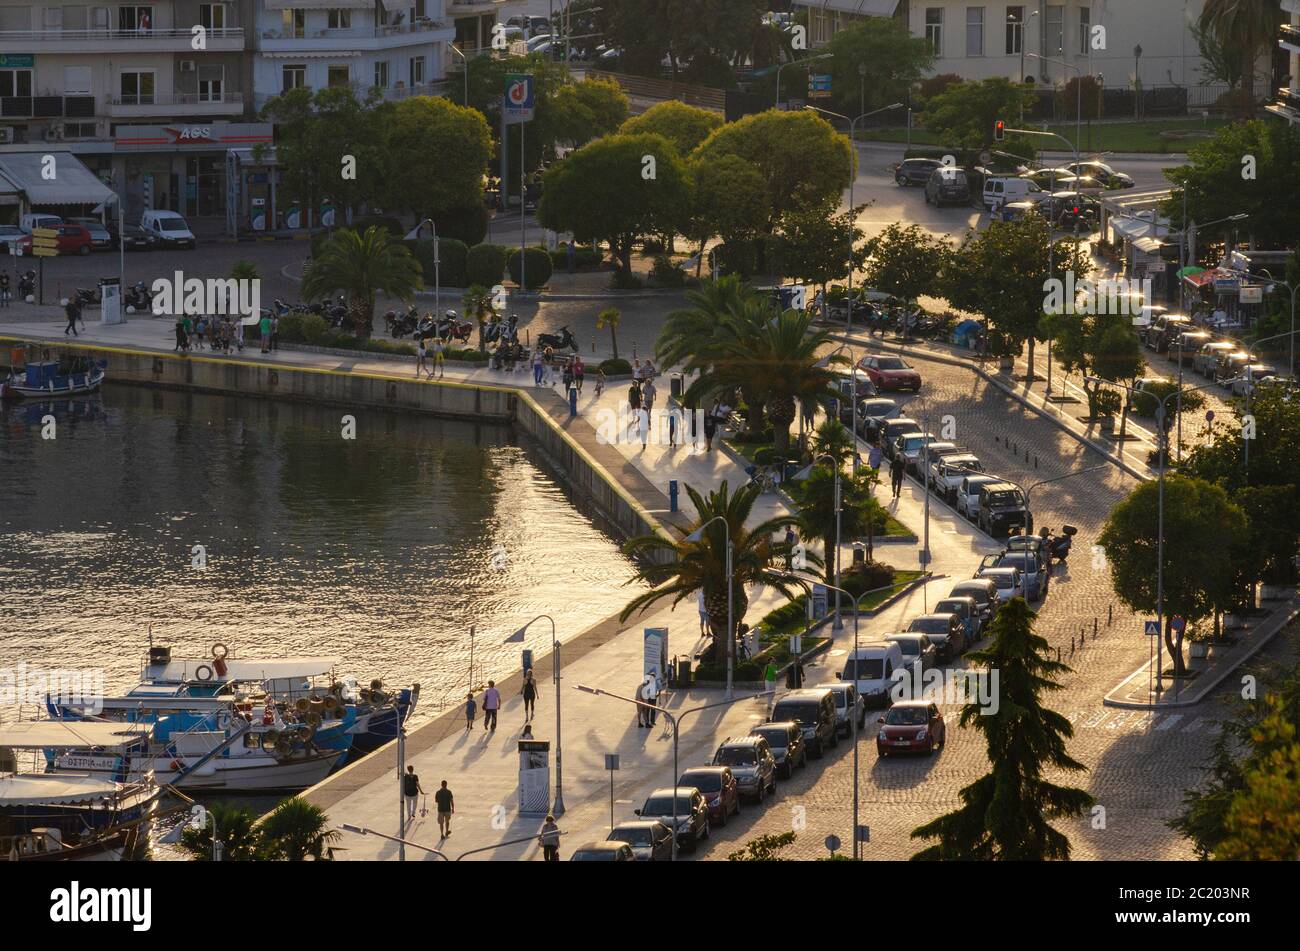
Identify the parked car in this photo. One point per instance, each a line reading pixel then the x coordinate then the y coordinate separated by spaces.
pixel 721 791
pixel 171 230
pixel 873 413
pixel 1070 210
pixel 814 709
pixel 136 238
pixel 12 234
pixel 1163 330
pixel 100 237
pixel 692 813
pixel 607 851
pixel 848 707
pixel 947 185
pixel 649 839
pixel 33 220
pixel 911 726
pixel 1018 210
pixel 1101 172
pixel 948 472
pixel 931 453
pixel 918 650
pixel 1033 571
pixel 1000 189
pixel 1083 184
pixel 752 764
pixel 910 447
pixel 893 429
pixel 985 593
pixel 1002 510
pixel 73 239
pixel 1207 358
pixel 1007 580
pixel 1048 178
pixel 1187 345
pixel 968 610
pixel 785 740
pixel 915 171
pixel 1230 366
pixel 871 668
pixel 891 373
pixel 946 631
pixel 969 492
pixel 1252 375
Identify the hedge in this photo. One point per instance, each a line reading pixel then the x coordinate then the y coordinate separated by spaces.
pixel 537 263
pixel 453 255
pixel 583 257
pixel 303 328
pixel 468 224
pixel 619 367
pixel 486 264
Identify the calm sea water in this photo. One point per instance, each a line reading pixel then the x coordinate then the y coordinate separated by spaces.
pixel 386 550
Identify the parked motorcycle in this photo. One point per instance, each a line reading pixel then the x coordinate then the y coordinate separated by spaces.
pixel 1058 547
pixel 138 296
pixel 502 331
pixel 401 323
pixel 452 327
pixel 564 340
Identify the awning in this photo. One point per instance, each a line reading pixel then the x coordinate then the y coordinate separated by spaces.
pixel 313 54
pixel 1189 270
pixel 73 184
pixel 1148 245
pixel 31 790
pixel 68 735
pixel 320 4
pixel 875 8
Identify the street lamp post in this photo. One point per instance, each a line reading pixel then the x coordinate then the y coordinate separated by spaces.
pixel 853 385
pixel 838 623
pixel 1078 107
pixel 675 720
pixel 558 808
pixel 696 536
pixel 456 50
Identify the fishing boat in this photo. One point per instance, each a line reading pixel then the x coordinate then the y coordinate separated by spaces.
pixel 44 816
pixel 47 378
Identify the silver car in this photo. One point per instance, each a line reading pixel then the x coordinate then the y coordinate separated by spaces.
pixel 1007 580
pixel 848 705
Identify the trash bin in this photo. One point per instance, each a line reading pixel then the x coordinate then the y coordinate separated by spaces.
pixel 684 673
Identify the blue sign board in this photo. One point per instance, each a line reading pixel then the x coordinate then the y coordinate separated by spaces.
pixel 517 100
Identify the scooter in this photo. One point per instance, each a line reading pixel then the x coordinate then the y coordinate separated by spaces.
pixel 502 331
pixel 1058 546
pixel 137 296
pixel 564 340
pixel 400 323
pixel 451 327
pixel 27 284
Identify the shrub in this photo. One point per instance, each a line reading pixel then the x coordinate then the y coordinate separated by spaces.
pixel 868 576
pixel 452 254
pixel 619 367
pixel 468 224
pixel 303 328
pixel 652 246
pixel 666 273
pixel 390 224
pixel 766 456
pixel 485 264
pixel 623 281
pixel 537 262
pixel 583 257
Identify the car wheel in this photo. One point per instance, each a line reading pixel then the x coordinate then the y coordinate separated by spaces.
pixel 722 820
pixel 85 249
pixel 900 179
pixel 934 746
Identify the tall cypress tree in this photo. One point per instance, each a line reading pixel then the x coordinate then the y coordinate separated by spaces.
pixel 1007 815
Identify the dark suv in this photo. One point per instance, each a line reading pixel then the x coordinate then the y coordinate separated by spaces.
pixel 814 708
pixel 692 813
pixel 947 631
pixel 720 789
pixel 1002 510
pixel 752 764
pixel 916 171
pixel 947 184
pixel 785 739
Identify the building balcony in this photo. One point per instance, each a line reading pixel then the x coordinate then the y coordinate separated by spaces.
pixel 359 39
pixel 1290 38
pixel 475 7
pixel 1291 6
pixel 442 87
pixel 1286 105
pixel 47 107
pixel 117 41
pixel 175 104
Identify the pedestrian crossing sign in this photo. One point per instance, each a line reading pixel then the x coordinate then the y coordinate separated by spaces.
pixel 1153 628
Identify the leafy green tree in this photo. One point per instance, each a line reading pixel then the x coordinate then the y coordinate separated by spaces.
pixel 296 830
pixel 243 270
pixel 434 156
pixel 803 161
pixel 604 191
pixel 963 114
pixel 819 246
pixel 832 438
pixel 860 513
pixel 1007 815
pixel 703 40
pixel 1197 576
pixel 1248 26
pixel 578 112
pixel 236 830
pixel 682 125
pixel 763 849
pixel 1263 820
pixel 727 201
pixel 361 266
pixel 677 569
pixel 486 264
pixel 894 61
pixel 1101 347
pixel 904 261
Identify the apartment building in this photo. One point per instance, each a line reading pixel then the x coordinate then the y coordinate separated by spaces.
pixel 1287 102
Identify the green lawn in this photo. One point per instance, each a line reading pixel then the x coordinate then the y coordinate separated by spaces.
pixel 1144 136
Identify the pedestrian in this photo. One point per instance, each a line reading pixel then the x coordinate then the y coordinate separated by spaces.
pixel 672 427
pixel 791 539
pixel 568 379
pixel 579 371
pixel 896 470
pixel 538 367
pixel 704 613
pixel 875 456
pixel 182 339
pixel 4 289
pixel 642 713
pixel 643 425
pixel 570 254
pixel 710 430
pixel 470 708
pixel 600 382
pixel 239 335
pixel 634 405
pixel 446 808
pixel 264 326
pixel 528 732
pixel 412 789
pixel 188 324
pixel 491 704
pixel 530 696
pixel 420 365
pixel 638 373
pixel 648 393
pixel 550 840
pixel 73 312
pixel 769 679
pixel 439 358
pixel 794 675
pixel 275 332
pixel 651 693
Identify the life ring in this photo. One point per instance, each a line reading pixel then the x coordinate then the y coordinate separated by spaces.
pixel 223 720
pixel 331 702
pixel 203 673
pixel 270 738
pixel 220 651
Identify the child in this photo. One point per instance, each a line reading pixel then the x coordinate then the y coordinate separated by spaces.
pixel 470 708
pixel 600 382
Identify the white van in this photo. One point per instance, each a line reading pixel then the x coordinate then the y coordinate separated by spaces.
pixel 32 221
pixel 871 669
pixel 169 228
pixel 999 190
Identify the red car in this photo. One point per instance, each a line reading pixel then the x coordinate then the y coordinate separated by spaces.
pixel 74 239
pixel 719 788
pixel 910 726
pixel 890 373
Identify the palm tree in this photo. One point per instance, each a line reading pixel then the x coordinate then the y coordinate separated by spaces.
pixel 688 333
pixel 832 439
pixel 296 829
pixel 478 304
pixel 1247 27
pixel 678 569
pixel 860 514
pixel 361 266
pixel 610 317
pixel 236 829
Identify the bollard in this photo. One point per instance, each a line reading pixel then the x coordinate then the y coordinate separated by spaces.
pixel 1094 629
pixel 1035 462
pixel 1058 655
pixel 573 401
pixel 672 495
pixel 1110 614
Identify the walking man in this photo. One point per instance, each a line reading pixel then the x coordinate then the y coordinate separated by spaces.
pixel 491 704
pixel 648 393
pixel 550 840
pixel 439 358
pixel 634 404
pixel 579 371
pixel 264 326
pixel 470 709
pixel 651 693
pixel 704 613
pixel 875 456
pixel 73 312
pixel 642 714
pixel 769 680
pixel 420 365
pixel 411 789
pixel 446 807
pixel 4 289
pixel 530 696
pixel 896 470
pixel 791 539
pixel 538 366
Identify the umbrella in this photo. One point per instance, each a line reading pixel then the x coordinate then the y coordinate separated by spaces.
pixel 1189 270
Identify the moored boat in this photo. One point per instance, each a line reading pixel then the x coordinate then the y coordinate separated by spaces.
pixel 48 378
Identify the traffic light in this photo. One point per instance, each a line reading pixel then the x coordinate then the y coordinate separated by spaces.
pixel 999 130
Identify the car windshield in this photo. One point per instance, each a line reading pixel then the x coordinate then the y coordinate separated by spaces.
pixel 663 806
pixel 776 739
pixel 841 698
pixel 1018 559
pixel 952 607
pixel 1004 580
pixel 703 781
pixel 909 645
pixel 872 668
pixel 929 625
pixel 979 594
pixel 595 855
pixel 172 224
pixel 1004 497
pixel 891 363
pixel 632 836
pixel 907 716
pixel 805 713
pixel 736 756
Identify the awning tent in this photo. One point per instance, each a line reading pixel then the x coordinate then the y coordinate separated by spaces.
pixel 71 184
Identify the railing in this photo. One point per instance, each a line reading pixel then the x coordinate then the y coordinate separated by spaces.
pixel 356 33
pixel 177 99
pixel 1291 34
pixel 54 36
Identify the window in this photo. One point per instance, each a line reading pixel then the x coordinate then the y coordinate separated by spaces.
pixel 381 74
pixel 417 70
pixel 79 130
pixel 292 77
pixel 76 80
pixel 934 29
pixel 15 82
pixel 1015 30
pixel 293 23
pixel 99 18
pixel 74 18
pixel 1054 32
pixel 136 87
pixel 212 83
pixel 337 76
pixel 135 19
pixel 1085 28
pixel 974 31
pixel 52 18
pixel 340 19
pixel 212 16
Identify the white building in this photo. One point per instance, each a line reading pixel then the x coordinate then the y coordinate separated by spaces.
pixel 1287 103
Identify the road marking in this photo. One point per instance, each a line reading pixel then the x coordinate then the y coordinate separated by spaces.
pixel 1194 725
pixel 1170 721
pixel 1119 720
pixel 1097 719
